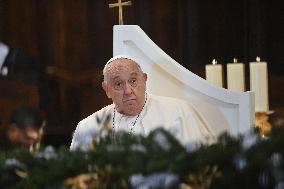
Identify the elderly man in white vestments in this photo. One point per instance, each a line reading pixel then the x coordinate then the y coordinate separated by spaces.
pixel 137 112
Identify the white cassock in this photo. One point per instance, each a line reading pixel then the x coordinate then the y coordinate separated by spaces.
pixel 176 116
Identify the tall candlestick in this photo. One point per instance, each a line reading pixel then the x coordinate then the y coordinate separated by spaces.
pixel 235 76
pixel 259 84
pixel 214 73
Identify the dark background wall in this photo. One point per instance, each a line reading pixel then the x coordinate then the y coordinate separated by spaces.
pixel 71 40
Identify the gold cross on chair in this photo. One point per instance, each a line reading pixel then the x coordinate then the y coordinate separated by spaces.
pixel 120 4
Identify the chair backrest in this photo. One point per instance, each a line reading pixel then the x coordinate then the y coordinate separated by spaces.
pixel 223 110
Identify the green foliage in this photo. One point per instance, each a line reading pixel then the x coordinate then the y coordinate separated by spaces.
pixel 243 162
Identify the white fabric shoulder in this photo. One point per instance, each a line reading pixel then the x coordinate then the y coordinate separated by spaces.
pixel 89 128
pixel 180 118
pixel 161 111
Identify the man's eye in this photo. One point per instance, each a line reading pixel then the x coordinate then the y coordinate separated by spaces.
pixel 133 80
pixel 118 84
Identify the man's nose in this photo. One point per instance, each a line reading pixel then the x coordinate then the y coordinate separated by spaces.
pixel 33 135
pixel 127 89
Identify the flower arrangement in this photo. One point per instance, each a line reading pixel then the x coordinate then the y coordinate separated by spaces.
pixel 155 161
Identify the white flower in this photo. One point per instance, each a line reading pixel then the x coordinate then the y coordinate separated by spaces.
pixel 240 163
pixel 12 162
pixel 156 180
pixel 48 153
pixel 276 159
pixel 136 179
pixel 162 141
pixel 249 140
pixel 192 146
pixel 138 147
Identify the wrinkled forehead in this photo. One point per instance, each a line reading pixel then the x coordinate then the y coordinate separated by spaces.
pixel 122 66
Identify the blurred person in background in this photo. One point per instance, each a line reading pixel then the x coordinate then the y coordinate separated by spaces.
pixel 23 130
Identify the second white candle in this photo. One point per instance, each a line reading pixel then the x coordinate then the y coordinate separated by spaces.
pixel 235 77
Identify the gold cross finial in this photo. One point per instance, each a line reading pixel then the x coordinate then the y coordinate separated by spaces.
pixel 120 4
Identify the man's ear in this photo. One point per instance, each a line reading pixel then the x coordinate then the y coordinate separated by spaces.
pixel 145 77
pixel 105 88
pixel 13 132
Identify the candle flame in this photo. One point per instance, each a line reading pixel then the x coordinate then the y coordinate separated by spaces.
pixel 258 59
pixel 235 60
pixel 214 61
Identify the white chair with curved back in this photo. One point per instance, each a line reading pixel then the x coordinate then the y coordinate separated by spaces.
pixel 222 110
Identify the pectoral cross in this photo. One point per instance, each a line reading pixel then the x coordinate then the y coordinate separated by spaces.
pixel 120 4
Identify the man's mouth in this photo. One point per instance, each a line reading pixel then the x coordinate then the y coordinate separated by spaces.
pixel 129 100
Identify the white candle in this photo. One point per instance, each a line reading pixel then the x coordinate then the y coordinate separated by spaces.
pixel 259 84
pixel 235 76
pixel 214 73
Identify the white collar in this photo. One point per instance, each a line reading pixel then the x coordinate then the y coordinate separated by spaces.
pixel 4 49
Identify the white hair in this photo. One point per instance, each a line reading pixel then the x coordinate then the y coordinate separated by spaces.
pixel 120 56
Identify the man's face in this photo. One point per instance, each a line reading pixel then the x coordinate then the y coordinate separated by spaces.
pixel 27 136
pixel 126 85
